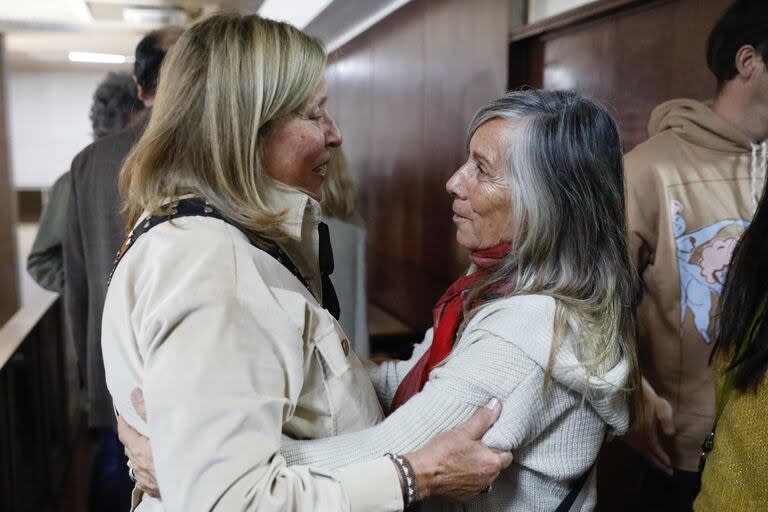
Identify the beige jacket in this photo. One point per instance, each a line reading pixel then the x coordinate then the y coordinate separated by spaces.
pixel 232 352
pixel 691 191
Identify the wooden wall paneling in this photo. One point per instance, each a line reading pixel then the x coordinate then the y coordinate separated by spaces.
pixel 454 92
pixel 667 60
pixel 582 60
pixel 351 105
pixel 331 82
pixel 694 20
pixel 632 59
pixel 9 279
pixel 398 106
pixel 445 103
pixel 644 75
pixel 394 177
pixel 536 64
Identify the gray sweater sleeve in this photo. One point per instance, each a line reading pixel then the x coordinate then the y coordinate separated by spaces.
pixel 487 367
pixel 386 377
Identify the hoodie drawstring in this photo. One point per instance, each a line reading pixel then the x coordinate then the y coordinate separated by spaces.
pixel 757 192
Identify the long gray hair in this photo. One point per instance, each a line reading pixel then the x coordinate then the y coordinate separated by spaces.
pixel 568 218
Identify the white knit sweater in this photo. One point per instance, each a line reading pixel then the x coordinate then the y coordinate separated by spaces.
pixel 555 432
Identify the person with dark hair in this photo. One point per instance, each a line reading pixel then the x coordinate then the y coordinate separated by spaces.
pixel 734 477
pixel 94 232
pixel 150 53
pixel 692 188
pixel 743 24
pixel 115 106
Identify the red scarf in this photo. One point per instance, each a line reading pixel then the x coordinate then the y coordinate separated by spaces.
pixel 447 315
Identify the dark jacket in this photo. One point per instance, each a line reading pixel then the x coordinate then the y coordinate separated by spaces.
pixel 94 233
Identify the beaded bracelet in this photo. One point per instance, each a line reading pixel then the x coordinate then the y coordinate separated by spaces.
pixel 409 478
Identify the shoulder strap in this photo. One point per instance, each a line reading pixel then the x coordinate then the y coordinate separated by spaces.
pixel 576 496
pixel 196 207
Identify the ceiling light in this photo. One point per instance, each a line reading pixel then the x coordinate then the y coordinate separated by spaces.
pixel 150 15
pixel 100 58
pixel 296 12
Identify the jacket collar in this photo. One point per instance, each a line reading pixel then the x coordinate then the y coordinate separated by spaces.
pixel 299 208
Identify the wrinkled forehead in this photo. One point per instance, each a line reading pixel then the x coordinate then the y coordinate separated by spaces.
pixel 493 139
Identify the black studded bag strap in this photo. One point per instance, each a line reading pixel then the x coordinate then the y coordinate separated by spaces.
pixel 195 207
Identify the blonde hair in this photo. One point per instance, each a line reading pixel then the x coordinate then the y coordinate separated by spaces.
pixel 338 190
pixel 222 84
pixel 570 243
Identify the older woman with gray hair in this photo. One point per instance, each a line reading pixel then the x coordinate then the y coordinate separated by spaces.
pixel 543 320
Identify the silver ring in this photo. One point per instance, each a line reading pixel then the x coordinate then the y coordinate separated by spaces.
pixel 131 474
pixel 487 490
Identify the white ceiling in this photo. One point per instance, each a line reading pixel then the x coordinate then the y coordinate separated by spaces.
pixel 41 33
pixel 342 21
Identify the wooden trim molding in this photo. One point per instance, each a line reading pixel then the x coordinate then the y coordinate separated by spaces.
pixel 16 330
pixel 9 272
pixel 575 16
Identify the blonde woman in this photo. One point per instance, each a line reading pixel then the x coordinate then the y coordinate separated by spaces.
pixel 543 321
pixel 215 306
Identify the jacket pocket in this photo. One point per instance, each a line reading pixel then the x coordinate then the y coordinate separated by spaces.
pixel 334 350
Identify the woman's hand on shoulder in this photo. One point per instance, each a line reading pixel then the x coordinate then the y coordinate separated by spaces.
pixel 456 465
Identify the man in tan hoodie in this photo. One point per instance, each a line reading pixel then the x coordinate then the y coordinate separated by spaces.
pixel 692 188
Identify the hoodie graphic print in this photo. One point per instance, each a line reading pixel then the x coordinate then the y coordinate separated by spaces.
pixel 692 188
pixel 703 256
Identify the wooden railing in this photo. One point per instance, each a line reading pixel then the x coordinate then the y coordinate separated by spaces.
pixel 39 409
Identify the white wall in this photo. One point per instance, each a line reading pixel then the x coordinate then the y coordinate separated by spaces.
pixel 48 118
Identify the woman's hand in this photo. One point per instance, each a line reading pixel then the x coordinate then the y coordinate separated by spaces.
pixel 646 437
pixel 138 449
pixel 455 465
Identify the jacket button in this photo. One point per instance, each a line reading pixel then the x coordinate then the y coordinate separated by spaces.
pixel 345 346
